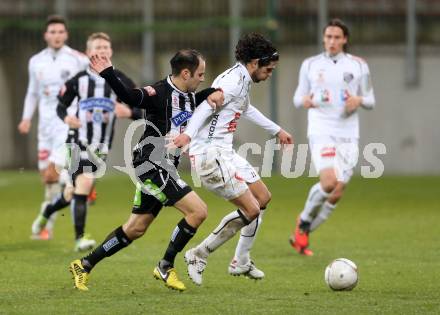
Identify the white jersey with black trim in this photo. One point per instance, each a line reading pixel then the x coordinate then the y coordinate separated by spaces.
pixel 48 70
pixel 330 79
pixel 215 128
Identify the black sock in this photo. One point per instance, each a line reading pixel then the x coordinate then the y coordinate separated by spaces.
pixel 58 204
pixel 113 243
pixel 180 237
pixel 304 226
pixel 79 207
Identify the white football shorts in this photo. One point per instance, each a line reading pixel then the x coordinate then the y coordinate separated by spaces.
pixel 52 144
pixel 338 153
pixel 225 173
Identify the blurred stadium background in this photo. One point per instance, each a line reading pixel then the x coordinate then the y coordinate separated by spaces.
pixel 400 39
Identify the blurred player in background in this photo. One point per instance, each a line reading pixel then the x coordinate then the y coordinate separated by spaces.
pixel 48 70
pixel 91 132
pixel 221 169
pixel 332 86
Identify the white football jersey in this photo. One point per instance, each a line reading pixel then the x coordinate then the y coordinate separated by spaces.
pixel 215 128
pixel 48 70
pixel 330 80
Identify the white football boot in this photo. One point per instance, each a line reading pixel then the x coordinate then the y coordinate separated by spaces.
pixel 249 270
pixel 196 266
pixel 84 243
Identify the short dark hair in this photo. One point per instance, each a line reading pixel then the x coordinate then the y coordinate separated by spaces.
pixel 185 59
pixel 55 19
pixel 339 23
pixel 255 46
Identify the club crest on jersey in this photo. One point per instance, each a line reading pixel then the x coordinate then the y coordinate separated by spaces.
pixel 97 117
pixel 181 117
pixel 348 77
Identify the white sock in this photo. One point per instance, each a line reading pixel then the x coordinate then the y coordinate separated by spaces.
pixel 227 228
pixel 316 198
pixel 326 209
pixel 247 239
pixel 51 192
pixel 65 178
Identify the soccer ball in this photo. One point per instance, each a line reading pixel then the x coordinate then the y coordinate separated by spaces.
pixel 341 275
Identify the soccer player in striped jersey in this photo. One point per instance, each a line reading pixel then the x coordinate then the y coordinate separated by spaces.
pixel 168 105
pixel 89 138
pixel 48 70
pixel 332 87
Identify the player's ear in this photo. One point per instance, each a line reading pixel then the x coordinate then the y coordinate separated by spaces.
pixel 186 74
pixel 254 63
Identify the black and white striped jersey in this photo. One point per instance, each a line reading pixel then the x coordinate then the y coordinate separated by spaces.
pixel 95 108
pixel 167 111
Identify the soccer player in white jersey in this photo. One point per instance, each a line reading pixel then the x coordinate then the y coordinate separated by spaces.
pixel 332 87
pixel 48 70
pixel 220 168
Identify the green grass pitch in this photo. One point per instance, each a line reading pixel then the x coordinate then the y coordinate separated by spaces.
pixel 388 226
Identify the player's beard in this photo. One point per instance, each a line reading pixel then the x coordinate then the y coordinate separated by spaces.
pixel 255 78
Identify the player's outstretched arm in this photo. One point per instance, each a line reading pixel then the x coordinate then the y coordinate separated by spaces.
pixel 198 118
pixel 255 116
pixel 133 97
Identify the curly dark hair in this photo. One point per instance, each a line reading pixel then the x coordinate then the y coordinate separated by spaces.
pixel 255 46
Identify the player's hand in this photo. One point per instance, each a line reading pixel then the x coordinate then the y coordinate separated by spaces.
pixel 122 111
pixel 182 140
pixel 216 99
pixel 24 126
pixel 72 121
pixel 150 90
pixel 308 101
pixel 100 63
pixel 352 103
pixel 284 137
